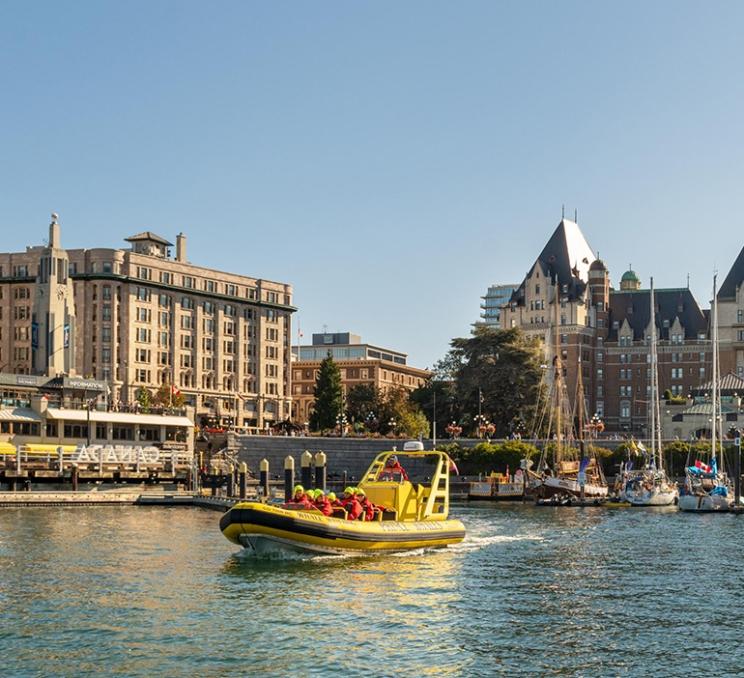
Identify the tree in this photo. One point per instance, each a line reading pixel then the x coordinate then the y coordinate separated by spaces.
pixel 363 402
pixel 328 396
pixel 502 367
pixel 399 415
pixel 144 398
pixel 168 396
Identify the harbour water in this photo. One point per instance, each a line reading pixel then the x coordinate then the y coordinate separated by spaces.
pixel 135 591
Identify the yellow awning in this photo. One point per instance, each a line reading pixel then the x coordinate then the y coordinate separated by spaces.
pixel 7 448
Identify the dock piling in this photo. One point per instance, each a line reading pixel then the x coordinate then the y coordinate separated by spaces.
pixel 263 474
pixel 306 476
pixel 243 479
pixel 320 470
pixel 289 466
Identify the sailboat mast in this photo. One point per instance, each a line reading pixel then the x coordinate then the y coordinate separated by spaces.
pixel 653 373
pixel 558 375
pixel 714 422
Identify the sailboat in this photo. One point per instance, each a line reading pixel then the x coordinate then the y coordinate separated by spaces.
pixel 707 487
pixel 650 486
pixel 573 477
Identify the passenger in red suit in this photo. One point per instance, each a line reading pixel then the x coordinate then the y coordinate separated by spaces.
pixel 392 470
pixel 350 503
pixel 322 503
pixel 367 506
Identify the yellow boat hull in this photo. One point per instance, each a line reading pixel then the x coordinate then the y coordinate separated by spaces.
pixel 264 528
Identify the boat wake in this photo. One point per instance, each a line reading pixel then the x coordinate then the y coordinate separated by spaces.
pixel 476 543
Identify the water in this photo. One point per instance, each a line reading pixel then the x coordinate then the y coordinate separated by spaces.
pixel 137 591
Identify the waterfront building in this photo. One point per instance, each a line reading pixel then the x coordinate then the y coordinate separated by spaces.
pixel 139 317
pixel 731 318
pixel 44 413
pixel 496 296
pixel 359 363
pixel 605 332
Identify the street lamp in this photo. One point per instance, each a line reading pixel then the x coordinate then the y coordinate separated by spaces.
pixel 341 423
pixel 391 425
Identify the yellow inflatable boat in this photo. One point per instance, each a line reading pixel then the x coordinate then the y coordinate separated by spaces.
pixel 415 515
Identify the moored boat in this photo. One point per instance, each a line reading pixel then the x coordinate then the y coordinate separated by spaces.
pixel 415 516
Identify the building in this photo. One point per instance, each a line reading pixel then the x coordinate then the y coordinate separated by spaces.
pixel 139 317
pixel 494 299
pixel 731 318
pixel 45 412
pixel 566 299
pixel 359 364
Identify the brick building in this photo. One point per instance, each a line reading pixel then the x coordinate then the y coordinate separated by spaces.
pixel 359 364
pixel 605 332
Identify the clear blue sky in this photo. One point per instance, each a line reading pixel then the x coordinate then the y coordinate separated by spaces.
pixel 389 159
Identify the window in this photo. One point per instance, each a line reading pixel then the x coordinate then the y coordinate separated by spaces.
pixel 207 363
pixel 676 373
pixel 210 286
pixel 248 314
pixel 231 290
pixel 187 322
pixel 164 301
pixel 189 282
pixel 106 355
pixel 208 343
pixel 187 360
pixel 600 373
pixel 624 358
pixel 676 357
pixel 677 338
pixel 209 325
pixel 229 310
pixel 106 335
pixel 142 355
pixel 143 294
pixel 740 316
pixel 701 373
pixel 228 346
pixel 272 334
pixel 187 341
pixel 208 308
pixel 106 312
pixel 163 339
pixel 166 277
pixel 143 335
pixel 625 410
pixel 187 303
pixel 164 319
pixel 229 328
pixel 143 273
pixel 272 370
pixel 228 365
pixel 142 376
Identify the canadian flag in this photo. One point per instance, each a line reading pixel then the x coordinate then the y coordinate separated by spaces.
pixel 703 467
pixel 174 390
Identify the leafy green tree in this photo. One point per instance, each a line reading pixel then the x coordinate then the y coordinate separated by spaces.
pixel 437 399
pixel 401 416
pixel 328 396
pixel 168 396
pixel 363 405
pixel 502 367
pixel 144 398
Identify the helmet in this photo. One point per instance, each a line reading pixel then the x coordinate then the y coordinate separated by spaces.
pixel 298 488
pixel 319 493
pixel 349 490
pixel 312 494
pixel 331 496
pixel 359 490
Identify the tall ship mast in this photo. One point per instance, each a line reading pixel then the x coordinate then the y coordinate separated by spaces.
pixel 650 485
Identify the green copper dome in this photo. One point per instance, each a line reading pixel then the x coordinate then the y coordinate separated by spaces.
pixel 629 276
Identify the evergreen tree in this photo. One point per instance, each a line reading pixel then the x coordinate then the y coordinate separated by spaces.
pixel 328 396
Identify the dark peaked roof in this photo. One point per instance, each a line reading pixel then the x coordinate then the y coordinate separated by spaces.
pixel 733 279
pixel 566 255
pixel 728 384
pixel 635 307
pixel 149 235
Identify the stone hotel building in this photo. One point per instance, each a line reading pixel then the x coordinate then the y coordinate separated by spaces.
pixel 142 317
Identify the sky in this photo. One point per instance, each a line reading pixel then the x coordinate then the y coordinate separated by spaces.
pixel 388 159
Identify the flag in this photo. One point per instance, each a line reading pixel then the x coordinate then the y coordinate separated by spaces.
pixel 703 467
pixel 174 390
pixel 453 467
pixel 641 447
pixel 583 464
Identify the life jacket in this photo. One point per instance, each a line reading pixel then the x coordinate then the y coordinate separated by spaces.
pixel 390 472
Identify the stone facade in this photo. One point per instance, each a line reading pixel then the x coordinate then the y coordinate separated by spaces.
pixel 144 318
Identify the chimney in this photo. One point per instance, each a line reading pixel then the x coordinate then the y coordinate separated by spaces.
pixel 181 248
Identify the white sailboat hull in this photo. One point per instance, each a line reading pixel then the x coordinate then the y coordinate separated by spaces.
pixel 656 496
pixel 704 503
